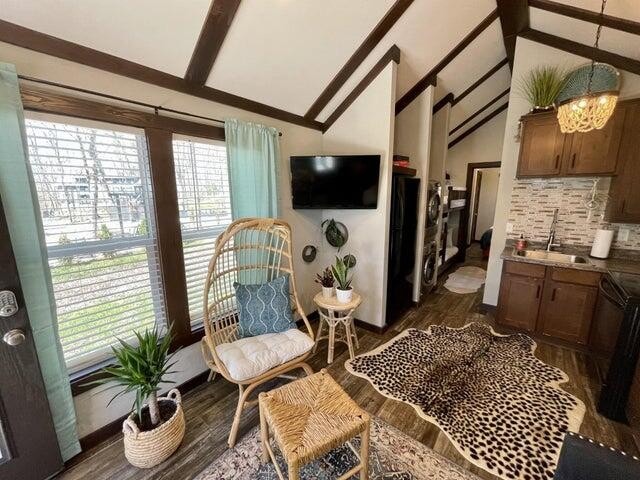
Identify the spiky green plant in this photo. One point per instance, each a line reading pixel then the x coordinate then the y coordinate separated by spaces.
pixel 542 85
pixel 141 368
pixel 340 272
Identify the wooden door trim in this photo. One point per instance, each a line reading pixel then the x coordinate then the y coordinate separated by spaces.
pixel 464 214
pixel 476 201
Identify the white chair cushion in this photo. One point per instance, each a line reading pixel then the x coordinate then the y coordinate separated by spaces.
pixel 253 356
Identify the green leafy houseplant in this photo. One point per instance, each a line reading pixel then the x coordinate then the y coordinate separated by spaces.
pixel 325 278
pixel 335 233
pixel 341 274
pixel 140 369
pixel 542 85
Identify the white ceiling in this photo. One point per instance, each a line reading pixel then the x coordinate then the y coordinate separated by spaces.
pixel 157 34
pixel 285 52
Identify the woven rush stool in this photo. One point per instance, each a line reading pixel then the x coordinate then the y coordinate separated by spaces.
pixel 308 418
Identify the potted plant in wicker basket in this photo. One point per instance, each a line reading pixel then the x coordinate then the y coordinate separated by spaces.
pixel 153 430
pixel 326 280
pixel 342 277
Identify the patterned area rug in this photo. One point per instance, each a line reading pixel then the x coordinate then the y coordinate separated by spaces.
pixel 392 456
pixel 500 406
pixel 465 280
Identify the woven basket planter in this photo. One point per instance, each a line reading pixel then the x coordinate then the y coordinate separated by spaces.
pixel 148 449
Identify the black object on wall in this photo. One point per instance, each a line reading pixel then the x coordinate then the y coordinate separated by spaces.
pixel 402 242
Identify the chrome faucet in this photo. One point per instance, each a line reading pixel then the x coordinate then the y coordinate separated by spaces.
pixel 552 232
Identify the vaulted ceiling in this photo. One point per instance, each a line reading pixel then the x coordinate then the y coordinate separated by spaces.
pixel 304 57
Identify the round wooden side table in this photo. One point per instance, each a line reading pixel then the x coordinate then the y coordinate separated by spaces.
pixel 334 314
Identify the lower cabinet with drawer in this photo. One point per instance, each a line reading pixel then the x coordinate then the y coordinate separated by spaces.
pixel 557 303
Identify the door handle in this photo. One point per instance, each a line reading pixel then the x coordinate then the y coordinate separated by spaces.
pixel 553 295
pixel 538 292
pixel 557 161
pixel 573 160
pixel 14 337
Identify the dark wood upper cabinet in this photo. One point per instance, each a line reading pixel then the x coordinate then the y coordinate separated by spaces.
pixel 596 152
pixel 519 301
pixel 624 195
pixel 541 147
pixel 546 152
pixel 567 311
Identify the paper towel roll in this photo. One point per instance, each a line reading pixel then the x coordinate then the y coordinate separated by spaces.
pixel 602 243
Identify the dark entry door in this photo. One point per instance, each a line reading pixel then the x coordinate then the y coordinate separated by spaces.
pixel 28 445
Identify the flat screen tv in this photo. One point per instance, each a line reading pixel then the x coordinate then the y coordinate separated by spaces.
pixel 336 181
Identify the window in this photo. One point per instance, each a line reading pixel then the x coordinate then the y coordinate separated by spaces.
pixel 94 191
pixel 204 203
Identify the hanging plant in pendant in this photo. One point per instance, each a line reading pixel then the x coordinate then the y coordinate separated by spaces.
pixel 590 95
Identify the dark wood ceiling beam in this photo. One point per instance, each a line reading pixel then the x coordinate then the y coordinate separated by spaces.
pixel 479 111
pixel 476 126
pixel 616 23
pixel 587 51
pixel 448 98
pixel 363 51
pixel 393 54
pixel 480 81
pixel 514 18
pixel 48 101
pixel 212 35
pixel 40 42
pixel 430 77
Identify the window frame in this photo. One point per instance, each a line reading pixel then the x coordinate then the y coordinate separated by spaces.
pixel 159 133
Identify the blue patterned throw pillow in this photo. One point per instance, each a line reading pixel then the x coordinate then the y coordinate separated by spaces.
pixel 264 308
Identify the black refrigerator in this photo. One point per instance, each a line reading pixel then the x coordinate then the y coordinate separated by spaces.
pixel 403 227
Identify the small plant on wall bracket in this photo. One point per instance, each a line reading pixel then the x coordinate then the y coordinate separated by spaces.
pixel 541 86
pixel 336 233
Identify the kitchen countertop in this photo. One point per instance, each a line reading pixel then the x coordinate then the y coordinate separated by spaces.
pixel 619 261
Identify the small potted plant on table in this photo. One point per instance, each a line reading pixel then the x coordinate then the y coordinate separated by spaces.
pixel 153 431
pixel 326 280
pixel 341 270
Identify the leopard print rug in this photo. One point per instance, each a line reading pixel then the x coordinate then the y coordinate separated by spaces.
pixel 500 406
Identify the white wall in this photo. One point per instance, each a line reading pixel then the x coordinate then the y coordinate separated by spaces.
pixel 413 139
pixel 367 127
pixel 91 406
pixel 528 55
pixel 487 200
pixel 483 145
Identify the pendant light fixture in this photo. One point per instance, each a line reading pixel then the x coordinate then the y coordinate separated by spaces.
pixel 590 95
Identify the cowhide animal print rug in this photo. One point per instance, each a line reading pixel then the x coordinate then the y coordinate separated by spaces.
pixel 500 406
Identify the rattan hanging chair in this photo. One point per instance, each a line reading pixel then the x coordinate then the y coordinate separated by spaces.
pixel 250 251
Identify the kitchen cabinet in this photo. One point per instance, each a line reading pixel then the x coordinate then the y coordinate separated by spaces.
pixel 551 302
pixel 624 195
pixel 519 301
pixel 567 310
pixel 541 147
pixel 547 152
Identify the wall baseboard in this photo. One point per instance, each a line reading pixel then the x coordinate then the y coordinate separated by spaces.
pixel 112 428
pixel 369 327
pixel 486 308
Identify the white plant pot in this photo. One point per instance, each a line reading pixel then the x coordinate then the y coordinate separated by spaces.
pixel 344 296
pixel 327 292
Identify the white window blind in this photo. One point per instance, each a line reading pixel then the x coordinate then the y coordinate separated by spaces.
pixel 96 204
pixel 205 210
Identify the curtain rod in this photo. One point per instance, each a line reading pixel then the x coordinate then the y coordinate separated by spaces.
pixel 156 108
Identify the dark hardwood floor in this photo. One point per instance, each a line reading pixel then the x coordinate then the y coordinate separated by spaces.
pixel 209 408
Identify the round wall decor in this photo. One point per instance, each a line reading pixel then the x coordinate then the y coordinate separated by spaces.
pixel 309 253
pixel 336 233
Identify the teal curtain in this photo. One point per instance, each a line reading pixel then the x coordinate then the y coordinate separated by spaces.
pixel 27 237
pixel 253 152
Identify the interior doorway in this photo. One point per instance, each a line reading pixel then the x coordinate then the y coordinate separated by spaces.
pixel 482 191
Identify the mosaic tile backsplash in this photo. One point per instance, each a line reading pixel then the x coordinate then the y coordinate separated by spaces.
pixel 533 202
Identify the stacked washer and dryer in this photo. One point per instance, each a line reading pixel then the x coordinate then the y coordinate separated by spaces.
pixel 432 231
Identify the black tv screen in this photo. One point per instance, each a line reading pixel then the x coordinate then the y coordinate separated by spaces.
pixel 337 181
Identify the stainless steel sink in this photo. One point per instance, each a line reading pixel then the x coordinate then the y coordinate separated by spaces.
pixel 554 257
